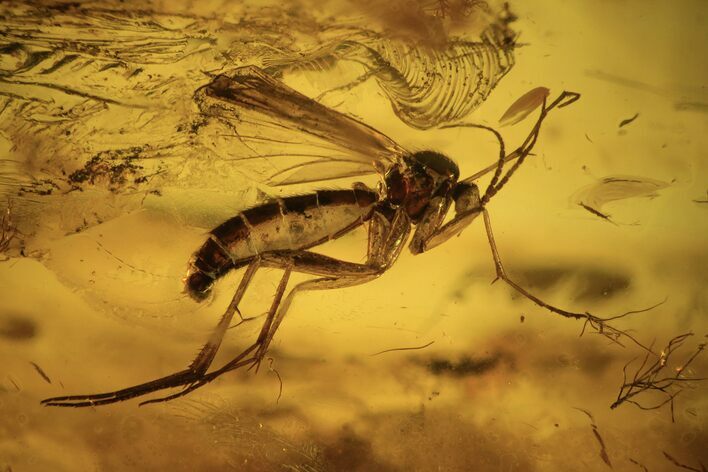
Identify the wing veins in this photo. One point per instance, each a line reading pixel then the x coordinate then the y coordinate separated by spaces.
pixel 249 98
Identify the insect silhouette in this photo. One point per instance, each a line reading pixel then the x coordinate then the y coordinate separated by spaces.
pixel 415 193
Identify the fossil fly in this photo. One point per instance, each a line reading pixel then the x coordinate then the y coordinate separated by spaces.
pixel 415 193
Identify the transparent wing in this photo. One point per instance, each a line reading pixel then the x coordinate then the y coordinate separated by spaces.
pixel 286 138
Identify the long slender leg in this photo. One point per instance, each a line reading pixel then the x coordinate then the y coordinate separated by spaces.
pixel 501 274
pixel 267 326
pixel 314 265
pixel 205 357
pixel 386 239
pixel 240 360
pixel 388 236
pixel 184 377
pixel 599 324
pixel 323 283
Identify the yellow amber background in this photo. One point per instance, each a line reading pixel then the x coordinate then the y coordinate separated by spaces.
pixel 107 311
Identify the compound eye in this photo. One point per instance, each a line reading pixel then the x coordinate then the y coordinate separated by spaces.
pixel 466 197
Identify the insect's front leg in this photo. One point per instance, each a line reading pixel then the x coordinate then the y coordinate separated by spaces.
pixel 429 223
pixel 430 232
pixel 599 324
pixel 501 274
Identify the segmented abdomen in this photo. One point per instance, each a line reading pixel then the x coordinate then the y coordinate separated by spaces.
pixel 287 224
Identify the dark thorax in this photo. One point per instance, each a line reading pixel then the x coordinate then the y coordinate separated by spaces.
pixel 428 174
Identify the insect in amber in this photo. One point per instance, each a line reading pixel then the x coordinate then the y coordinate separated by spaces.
pixel 415 194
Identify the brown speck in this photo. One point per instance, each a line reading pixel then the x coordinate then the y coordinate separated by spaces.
pixel 596 432
pixel 596 212
pixel 41 372
pixel 403 348
pixel 628 120
pixel 465 366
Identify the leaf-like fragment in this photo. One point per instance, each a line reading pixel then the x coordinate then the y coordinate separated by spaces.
pixel 613 188
pixel 523 107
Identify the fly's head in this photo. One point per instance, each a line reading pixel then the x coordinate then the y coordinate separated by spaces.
pixel 442 190
pixel 466 197
pixel 428 174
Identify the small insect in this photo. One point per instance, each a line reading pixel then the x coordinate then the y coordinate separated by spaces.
pixel 416 192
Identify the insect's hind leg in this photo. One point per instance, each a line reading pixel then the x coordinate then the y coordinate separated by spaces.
pixel 244 358
pixel 204 358
pixel 323 283
pixel 191 374
pixel 386 239
pixel 344 274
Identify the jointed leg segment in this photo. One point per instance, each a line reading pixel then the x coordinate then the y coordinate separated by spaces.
pixel 599 324
pixel 501 275
pixel 388 238
pixel 194 372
